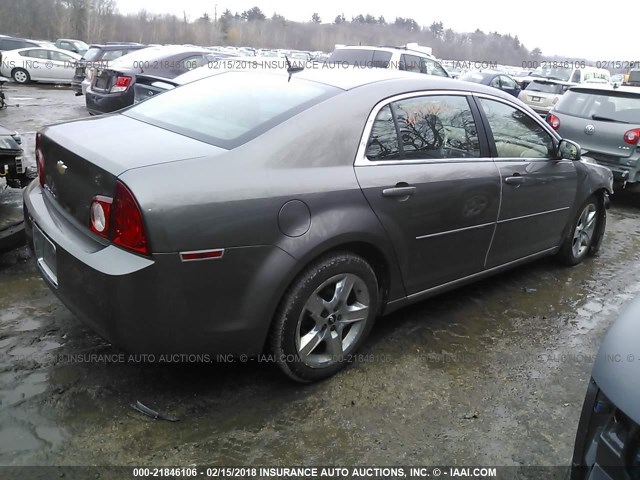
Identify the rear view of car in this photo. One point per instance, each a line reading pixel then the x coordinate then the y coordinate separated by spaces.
pixel 112 88
pixel 542 95
pixel 606 123
pixel 98 56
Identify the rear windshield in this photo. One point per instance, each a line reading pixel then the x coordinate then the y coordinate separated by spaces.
pixel 361 58
pixel 553 73
pixel 634 76
pixel 231 108
pixel 92 54
pixel 546 87
pixel 617 107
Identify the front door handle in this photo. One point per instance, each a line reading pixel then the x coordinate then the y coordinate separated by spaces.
pixel 398 191
pixel 515 180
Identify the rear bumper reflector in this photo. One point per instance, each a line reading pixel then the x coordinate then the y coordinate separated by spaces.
pixel 201 255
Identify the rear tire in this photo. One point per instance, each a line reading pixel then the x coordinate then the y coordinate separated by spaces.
pixel 20 75
pixel 581 240
pixel 324 317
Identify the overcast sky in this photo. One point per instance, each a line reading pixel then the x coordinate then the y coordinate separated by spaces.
pixel 557 27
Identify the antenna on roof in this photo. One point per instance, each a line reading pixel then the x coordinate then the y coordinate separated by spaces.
pixel 291 69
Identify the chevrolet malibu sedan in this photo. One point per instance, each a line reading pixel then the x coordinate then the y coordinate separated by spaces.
pixel 255 211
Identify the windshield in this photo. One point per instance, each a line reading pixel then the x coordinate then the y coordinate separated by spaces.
pixel 231 108
pixel 614 106
pixel 92 54
pixel 553 73
pixel 361 57
pixel 472 77
pixel 546 87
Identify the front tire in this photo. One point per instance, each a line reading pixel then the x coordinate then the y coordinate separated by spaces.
pixel 324 317
pixel 581 239
pixel 20 75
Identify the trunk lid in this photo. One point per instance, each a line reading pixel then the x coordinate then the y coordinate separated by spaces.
pixel 84 158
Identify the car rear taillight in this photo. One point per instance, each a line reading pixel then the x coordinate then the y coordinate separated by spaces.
pixel 127 229
pixel 553 121
pixel 632 136
pixel 40 161
pixel 101 215
pixel 122 83
pixel 119 220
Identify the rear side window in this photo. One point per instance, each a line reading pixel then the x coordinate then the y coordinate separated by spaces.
pixel 616 107
pixel 231 108
pixel 430 128
pixel 35 53
pixel 410 63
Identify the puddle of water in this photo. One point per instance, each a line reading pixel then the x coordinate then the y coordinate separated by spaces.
pixel 23 389
pixel 16 439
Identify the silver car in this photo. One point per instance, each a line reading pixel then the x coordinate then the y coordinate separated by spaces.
pixel 285 211
pixel 606 122
pixel 542 95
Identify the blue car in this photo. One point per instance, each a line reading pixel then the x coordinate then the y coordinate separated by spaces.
pixel 498 80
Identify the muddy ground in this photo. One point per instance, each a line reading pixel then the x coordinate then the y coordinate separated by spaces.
pixel 493 374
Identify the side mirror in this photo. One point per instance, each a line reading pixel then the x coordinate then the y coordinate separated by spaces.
pixel 569 150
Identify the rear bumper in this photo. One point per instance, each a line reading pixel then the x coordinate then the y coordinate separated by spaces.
pixel 161 304
pixel 108 102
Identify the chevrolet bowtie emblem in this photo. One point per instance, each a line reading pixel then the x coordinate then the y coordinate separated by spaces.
pixel 61 167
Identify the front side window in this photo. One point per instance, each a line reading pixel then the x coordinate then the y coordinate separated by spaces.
pixel 432 127
pixel 507 82
pixel 516 134
pixel 61 57
pixel 431 67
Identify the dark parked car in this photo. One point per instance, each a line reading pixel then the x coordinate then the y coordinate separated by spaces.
pixel 13 43
pixel 112 88
pixel 72 45
pixel 99 56
pixel 255 210
pixel 497 80
pixel 606 122
pixel 607 442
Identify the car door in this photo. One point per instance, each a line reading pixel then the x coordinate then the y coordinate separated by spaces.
pixel 62 66
pixel 424 168
pixel 35 62
pixel 538 189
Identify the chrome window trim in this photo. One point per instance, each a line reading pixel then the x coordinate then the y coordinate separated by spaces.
pixel 456 230
pixel 361 155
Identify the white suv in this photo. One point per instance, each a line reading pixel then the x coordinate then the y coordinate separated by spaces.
pixel 411 57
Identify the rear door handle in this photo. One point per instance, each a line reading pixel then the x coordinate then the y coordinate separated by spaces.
pixel 515 180
pixel 398 191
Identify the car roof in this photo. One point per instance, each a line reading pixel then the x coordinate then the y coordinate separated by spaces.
pixel 599 88
pixel 385 48
pixel 38 47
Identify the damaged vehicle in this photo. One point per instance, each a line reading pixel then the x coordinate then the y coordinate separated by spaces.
pixel 607 444
pixel 323 199
pixel 13 174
